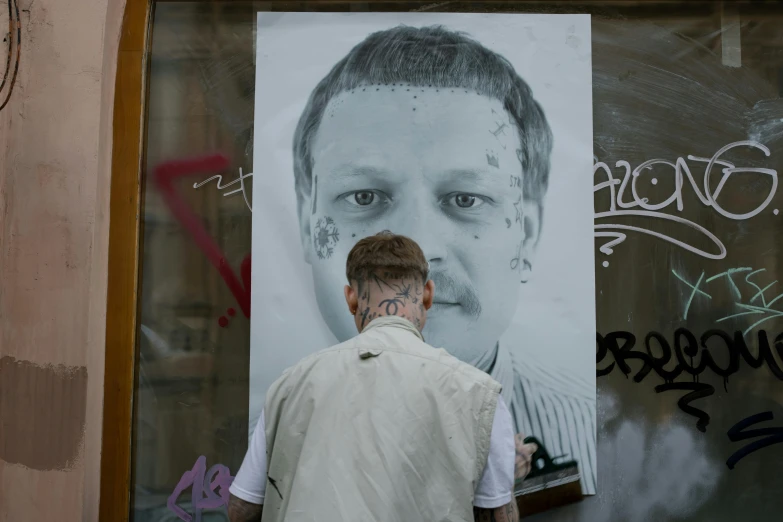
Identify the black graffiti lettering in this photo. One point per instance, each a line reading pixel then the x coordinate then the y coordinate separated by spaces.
pixel 733 365
pixel 624 352
pixel 738 433
pixel 600 353
pixel 764 353
pixel 686 352
pixel 691 356
pixel 659 363
pixel 697 391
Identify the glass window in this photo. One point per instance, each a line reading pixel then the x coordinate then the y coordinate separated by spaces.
pixel 669 80
pixel 192 377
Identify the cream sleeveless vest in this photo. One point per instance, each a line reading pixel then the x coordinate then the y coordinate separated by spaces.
pixel 382 427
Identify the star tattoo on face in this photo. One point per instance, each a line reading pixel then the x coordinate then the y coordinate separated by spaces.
pixel 325 237
pixel 518 209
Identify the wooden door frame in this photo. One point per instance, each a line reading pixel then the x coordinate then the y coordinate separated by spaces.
pixel 130 93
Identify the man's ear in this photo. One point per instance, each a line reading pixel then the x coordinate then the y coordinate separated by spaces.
pixel 533 220
pixel 351 299
pixel 429 294
pixel 304 203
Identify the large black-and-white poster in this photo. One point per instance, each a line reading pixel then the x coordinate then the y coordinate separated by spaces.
pixel 471 134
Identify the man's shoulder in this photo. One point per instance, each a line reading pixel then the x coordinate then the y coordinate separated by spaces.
pixel 314 357
pixel 414 349
pixel 442 357
pixel 295 371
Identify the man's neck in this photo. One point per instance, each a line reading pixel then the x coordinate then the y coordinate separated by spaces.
pixel 370 313
pixel 382 295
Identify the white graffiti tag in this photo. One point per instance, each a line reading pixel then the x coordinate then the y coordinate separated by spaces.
pixel 241 180
pixel 640 206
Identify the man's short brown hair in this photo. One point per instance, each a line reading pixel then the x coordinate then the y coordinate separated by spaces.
pixel 386 252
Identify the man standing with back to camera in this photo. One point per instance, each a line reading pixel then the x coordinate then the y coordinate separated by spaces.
pixel 424 131
pixel 382 427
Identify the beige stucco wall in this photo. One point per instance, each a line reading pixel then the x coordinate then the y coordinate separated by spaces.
pixel 55 152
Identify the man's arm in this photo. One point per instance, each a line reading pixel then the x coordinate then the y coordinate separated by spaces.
pixel 250 482
pixel 507 513
pixel 497 480
pixel 241 511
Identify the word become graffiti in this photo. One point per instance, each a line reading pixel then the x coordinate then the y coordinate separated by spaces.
pixel 204 485
pixel 739 432
pixel 749 304
pixel 241 190
pixel 686 349
pixel 164 176
pixel 641 206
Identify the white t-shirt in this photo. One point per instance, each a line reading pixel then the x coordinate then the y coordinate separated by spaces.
pixel 494 488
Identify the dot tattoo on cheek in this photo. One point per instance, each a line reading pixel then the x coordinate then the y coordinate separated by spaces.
pixel 325 237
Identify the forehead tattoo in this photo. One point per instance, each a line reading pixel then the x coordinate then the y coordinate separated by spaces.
pixel 492 159
pixel 500 128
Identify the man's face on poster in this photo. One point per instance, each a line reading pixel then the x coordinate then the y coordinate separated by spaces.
pixel 440 166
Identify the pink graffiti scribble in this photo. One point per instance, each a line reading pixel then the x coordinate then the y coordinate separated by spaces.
pixel 164 176
pixel 204 484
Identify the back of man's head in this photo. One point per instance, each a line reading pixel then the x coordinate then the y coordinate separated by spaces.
pixel 387 275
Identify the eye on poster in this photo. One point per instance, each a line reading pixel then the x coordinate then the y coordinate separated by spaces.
pixel 469 133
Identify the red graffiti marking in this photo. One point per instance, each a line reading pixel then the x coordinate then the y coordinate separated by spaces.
pixel 164 176
pixel 223 321
pixel 204 483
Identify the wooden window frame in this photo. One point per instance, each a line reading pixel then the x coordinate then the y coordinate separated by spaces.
pixel 130 94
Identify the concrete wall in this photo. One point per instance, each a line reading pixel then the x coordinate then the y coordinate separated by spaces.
pixel 55 152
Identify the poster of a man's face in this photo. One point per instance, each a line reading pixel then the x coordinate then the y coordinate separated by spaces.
pixel 425 125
